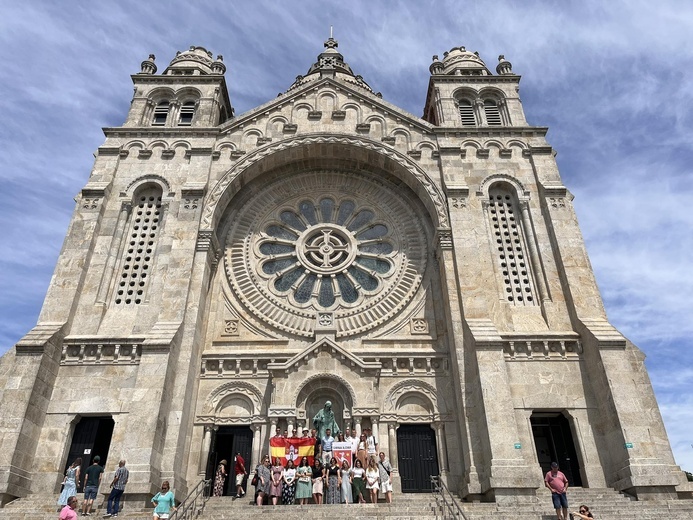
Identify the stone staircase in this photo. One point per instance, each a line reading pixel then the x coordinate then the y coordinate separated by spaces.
pixel 605 504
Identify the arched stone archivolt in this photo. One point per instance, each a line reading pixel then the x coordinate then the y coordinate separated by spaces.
pixel 522 192
pixel 238 395
pixel 324 381
pixel 412 398
pixel 417 179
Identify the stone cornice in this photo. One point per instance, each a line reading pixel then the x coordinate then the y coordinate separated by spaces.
pixel 166 79
pixel 160 132
pixel 445 78
pixel 492 131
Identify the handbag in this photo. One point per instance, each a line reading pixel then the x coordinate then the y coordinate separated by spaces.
pixel 254 481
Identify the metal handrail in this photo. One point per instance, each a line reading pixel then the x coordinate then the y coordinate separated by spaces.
pixel 449 503
pixel 194 504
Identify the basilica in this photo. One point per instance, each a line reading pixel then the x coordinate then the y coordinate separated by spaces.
pixel 225 275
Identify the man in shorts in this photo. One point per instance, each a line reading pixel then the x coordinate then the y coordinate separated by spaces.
pixel 68 512
pixel 240 472
pixel 91 485
pixel 558 484
pixel 385 470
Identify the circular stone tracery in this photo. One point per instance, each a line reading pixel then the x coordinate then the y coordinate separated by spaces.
pixel 326 241
pixel 326 249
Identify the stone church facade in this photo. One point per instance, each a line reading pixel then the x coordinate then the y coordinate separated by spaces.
pixel 223 276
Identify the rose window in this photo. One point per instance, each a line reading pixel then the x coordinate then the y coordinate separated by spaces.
pixel 326 241
pixel 326 253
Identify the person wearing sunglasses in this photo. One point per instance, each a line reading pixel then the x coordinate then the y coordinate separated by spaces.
pixel 584 513
pixel 164 502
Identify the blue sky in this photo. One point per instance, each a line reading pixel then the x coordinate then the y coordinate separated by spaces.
pixel 613 81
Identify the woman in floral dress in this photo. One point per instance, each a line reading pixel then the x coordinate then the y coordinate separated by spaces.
pixel 289 484
pixel 219 479
pixel 70 483
pixel 275 489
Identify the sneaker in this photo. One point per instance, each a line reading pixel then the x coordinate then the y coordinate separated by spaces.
pixel 114 515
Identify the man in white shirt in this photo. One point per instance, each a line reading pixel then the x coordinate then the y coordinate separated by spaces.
pixel 354 444
pixel 371 445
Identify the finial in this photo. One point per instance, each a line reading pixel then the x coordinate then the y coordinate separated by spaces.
pixel 330 32
pixel 504 66
pixel 148 66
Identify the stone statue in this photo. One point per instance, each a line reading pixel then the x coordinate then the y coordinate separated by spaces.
pixel 324 419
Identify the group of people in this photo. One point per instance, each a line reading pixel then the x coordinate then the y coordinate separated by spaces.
pixel 334 482
pixel 68 502
pixel 557 483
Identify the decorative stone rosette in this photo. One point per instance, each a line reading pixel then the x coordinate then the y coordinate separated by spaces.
pixel 326 241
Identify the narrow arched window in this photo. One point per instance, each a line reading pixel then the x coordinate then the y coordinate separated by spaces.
pixel 161 113
pixel 493 117
pixel 140 246
pixel 187 111
pixel 467 113
pixel 508 239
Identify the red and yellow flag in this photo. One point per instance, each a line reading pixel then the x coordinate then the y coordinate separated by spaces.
pixel 292 449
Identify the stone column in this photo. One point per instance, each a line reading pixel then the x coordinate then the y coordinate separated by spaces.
pixel 439 427
pixel 392 439
pixel 204 452
pixel 257 445
pixel 394 457
pixel 290 427
pixel 357 426
pixel 376 431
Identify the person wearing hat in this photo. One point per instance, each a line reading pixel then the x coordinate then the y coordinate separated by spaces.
pixel 91 487
pixel 557 484
pixel 219 479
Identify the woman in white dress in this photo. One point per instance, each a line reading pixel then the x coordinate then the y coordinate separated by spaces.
pixel 372 476
pixel 347 493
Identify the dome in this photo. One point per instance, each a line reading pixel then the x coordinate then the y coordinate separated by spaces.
pixel 194 61
pixel 331 62
pixel 459 61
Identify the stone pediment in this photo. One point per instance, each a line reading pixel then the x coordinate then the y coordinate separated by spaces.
pixel 333 104
pixel 327 346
